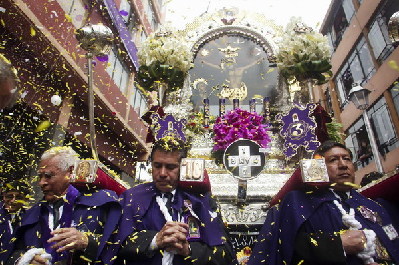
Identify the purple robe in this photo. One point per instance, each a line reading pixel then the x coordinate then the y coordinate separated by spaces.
pixel 141 212
pixel 316 212
pixel 97 213
pixel 6 244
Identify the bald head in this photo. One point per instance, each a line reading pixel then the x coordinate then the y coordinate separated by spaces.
pixel 8 83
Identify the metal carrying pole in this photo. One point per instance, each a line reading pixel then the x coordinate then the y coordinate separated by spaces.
pixel 97 41
pixel 92 128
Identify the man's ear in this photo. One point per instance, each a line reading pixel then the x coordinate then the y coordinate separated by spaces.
pixel 355 165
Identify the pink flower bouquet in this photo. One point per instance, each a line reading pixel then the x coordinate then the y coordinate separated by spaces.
pixel 239 124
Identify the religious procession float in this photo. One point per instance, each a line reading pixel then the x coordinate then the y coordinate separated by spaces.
pixel 239 91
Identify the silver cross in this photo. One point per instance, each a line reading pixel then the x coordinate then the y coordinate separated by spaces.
pixel 244 161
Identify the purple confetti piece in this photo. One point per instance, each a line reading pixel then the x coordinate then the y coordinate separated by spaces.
pixel 102 58
pixel 123 13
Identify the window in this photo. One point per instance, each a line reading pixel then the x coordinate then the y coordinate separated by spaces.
pixel 143 36
pixel 339 27
pixel 357 135
pixel 143 106
pixel 138 102
pixel 150 14
pixel 154 23
pixel 75 9
pixel 358 69
pixel 349 9
pixel 148 10
pixel 384 132
pixel 395 96
pixel 118 71
pixel 132 25
pixel 341 18
pixel 329 107
pixel 330 42
pixel 128 15
pixel 366 62
pixel 125 10
pixel 378 35
pixel 382 126
pixel 379 39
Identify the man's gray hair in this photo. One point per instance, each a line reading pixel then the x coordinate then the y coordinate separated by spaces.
pixel 66 156
pixel 8 83
pixel 6 70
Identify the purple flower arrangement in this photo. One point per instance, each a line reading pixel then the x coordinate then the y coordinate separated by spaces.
pixel 239 124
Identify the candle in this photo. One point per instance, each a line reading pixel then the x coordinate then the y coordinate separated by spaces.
pixel 252 105
pixel 206 112
pixel 236 103
pixel 266 109
pixel 222 106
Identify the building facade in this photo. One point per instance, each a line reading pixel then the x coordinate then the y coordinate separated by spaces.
pixel 364 51
pixel 39 40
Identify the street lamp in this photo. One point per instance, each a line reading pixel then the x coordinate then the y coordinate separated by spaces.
pixel 393 28
pixel 360 97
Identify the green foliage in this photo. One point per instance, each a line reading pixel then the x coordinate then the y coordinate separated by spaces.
pixel 147 75
pixel 334 130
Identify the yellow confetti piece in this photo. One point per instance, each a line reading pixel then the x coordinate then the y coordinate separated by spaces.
pixel 68 18
pixel 32 32
pixel 86 259
pixel 43 126
pixel 314 242
pixel 38 106
pixel 352 185
pixel 393 65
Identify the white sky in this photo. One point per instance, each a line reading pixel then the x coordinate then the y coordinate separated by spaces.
pixel 180 12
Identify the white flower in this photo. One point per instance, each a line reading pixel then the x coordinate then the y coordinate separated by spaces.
pixel 297 47
pixel 169 48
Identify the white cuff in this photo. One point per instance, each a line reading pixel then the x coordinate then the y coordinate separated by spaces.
pixel 153 245
pixel 31 253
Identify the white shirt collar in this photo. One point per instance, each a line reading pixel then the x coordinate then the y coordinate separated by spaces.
pixel 173 193
pixel 339 197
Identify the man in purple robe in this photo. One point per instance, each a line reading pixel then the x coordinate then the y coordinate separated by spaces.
pixel 334 225
pixel 15 200
pixel 163 224
pixel 66 227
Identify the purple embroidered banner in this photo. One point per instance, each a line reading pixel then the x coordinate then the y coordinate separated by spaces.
pixel 168 126
pixel 299 130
